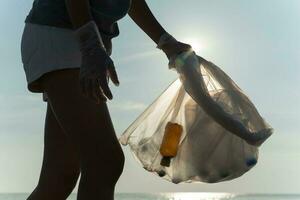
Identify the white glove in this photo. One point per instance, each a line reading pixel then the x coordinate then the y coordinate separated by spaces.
pixel 171 46
pixel 96 64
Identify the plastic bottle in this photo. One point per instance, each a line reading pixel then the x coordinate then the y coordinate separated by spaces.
pixel 170 142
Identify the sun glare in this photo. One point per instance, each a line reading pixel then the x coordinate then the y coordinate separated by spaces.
pixel 195 43
pixel 198 196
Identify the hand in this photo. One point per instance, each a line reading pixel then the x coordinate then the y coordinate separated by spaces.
pixel 94 74
pixel 170 46
pixel 175 48
pixel 96 66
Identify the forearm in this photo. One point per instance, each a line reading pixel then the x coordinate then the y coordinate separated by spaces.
pixel 143 17
pixel 79 12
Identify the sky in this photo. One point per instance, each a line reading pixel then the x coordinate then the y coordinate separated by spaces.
pixel 257 43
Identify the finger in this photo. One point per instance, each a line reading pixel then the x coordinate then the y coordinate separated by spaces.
pixel 105 88
pixel 113 74
pixel 95 88
pixel 107 77
pixel 102 95
pixel 98 94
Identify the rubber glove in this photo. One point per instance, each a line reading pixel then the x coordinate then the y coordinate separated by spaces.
pixel 96 66
pixel 170 46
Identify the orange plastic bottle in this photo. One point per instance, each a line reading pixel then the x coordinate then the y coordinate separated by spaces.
pixel 170 142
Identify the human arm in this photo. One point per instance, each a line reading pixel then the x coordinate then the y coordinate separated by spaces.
pixel 141 14
pixel 96 64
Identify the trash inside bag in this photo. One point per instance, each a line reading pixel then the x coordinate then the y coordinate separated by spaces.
pixel 202 128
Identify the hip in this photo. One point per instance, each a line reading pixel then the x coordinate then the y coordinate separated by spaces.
pixel 54 42
pixel 41 43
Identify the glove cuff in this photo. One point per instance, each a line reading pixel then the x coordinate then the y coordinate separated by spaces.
pixel 165 39
pixel 89 36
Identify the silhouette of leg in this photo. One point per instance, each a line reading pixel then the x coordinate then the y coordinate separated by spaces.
pixel 61 165
pixel 91 129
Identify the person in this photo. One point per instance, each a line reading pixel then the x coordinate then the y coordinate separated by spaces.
pixel 66 48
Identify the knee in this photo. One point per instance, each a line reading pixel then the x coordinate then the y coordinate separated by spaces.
pixel 106 167
pixel 120 159
pixel 117 163
pixel 114 164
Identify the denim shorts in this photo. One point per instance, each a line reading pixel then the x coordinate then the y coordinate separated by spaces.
pixel 45 49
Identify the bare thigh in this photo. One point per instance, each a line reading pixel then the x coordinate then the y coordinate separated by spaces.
pixel 88 125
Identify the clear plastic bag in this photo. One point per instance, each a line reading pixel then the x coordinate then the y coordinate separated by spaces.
pixel 221 128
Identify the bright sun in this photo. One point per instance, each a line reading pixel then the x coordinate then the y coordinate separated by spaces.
pixel 195 43
pixel 198 196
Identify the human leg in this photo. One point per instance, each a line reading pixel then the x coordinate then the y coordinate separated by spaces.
pixel 90 127
pixel 61 166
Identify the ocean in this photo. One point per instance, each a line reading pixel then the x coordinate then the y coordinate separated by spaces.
pixel 177 196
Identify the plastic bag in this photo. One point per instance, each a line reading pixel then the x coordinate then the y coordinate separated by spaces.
pixel 221 128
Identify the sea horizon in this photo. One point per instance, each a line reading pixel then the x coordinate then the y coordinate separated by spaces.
pixel 177 196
